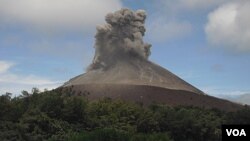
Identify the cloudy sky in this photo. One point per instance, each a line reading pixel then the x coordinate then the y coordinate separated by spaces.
pixel 44 43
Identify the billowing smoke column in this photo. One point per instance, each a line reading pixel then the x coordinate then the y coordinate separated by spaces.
pixel 120 38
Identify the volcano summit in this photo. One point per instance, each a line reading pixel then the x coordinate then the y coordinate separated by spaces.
pixel 121 69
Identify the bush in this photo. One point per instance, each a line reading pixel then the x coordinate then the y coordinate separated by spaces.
pixel 58 116
pixel 107 134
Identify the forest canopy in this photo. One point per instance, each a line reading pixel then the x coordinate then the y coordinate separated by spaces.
pixel 57 116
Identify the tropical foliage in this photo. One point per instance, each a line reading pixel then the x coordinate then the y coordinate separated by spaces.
pixel 63 115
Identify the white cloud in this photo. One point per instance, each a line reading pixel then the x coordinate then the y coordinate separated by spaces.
pixel 4 66
pixel 15 83
pixel 57 14
pixel 172 18
pixel 161 30
pixel 229 26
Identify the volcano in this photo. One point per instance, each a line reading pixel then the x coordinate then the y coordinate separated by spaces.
pixel 121 69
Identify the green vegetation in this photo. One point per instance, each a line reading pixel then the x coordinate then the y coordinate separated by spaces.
pixel 58 116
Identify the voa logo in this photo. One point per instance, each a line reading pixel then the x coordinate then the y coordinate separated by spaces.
pixel 236 132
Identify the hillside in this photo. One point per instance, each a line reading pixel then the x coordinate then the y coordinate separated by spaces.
pixel 147 95
pixel 134 71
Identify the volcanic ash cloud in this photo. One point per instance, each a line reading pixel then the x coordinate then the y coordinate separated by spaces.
pixel 120 38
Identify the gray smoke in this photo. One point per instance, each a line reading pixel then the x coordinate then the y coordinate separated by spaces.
pixel 120 38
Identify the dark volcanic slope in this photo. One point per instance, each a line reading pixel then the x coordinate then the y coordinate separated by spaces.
pixel 149 94
pixel 134 72
pixel 144 82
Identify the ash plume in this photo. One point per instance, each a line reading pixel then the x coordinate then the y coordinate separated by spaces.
pixel 120 38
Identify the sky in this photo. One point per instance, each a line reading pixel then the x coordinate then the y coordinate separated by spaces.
pixel 44 43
